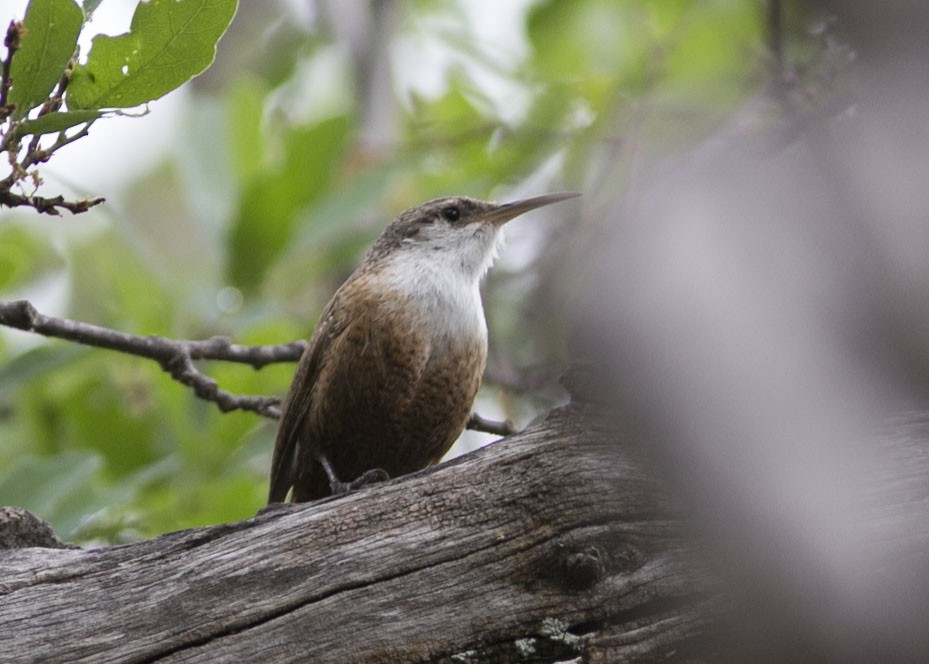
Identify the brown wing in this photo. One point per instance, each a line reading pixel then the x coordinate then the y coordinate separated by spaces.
pixel 366 384
pixel 369 393
pixel 297 403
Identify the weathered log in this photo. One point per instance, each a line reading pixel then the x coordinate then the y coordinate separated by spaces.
pixel 551 545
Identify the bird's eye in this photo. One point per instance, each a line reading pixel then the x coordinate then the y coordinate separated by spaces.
pixel 451 213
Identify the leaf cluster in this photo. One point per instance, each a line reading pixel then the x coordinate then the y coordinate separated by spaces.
pixel 48 98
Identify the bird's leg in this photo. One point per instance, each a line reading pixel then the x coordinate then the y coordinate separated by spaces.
pixel 339 487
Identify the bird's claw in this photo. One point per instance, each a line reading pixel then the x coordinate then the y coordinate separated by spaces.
pixel 372 476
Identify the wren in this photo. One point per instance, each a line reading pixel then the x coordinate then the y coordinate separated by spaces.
pixel 390 373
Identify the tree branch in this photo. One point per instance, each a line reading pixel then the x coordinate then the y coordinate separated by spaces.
pixel 47 205
pixel 478 423
pixel 177 358
pixel 174 356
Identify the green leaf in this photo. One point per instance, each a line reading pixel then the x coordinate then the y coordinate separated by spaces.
pixel 52 27
pixel 53 487
pixel 51 123
pixel 268 210
pixel 245 106
pixel 25 255
pixel 36 363
pixel 169 42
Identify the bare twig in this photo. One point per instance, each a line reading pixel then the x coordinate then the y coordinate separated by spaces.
pixel 53 103
pixel 175 356
pixel 478 423
pixel 13 34
pixel 47 205
pixel 35 155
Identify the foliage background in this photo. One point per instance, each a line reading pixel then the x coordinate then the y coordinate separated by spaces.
pixel 317 123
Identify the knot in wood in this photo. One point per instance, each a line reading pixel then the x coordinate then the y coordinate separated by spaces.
pixel 584 568
pixel 19 314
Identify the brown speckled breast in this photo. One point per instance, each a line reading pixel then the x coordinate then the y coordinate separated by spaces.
pixel 386 394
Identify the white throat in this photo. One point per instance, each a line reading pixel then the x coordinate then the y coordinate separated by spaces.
pixel 448 297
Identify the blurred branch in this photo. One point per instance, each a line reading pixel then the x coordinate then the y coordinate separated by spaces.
pixel 478 423
pixel 174 356
pixel 774 35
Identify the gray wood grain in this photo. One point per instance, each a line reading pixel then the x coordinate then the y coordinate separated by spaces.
pixel 546 546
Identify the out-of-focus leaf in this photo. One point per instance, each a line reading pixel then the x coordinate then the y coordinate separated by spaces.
pixel 162 227
pixel 169 42
pixel 52 28
pixel 24 256
pixel 245 107
pixel 456 135
pixel 114 284
pixel 607 43
pixel 696 66
pixel 37 362
pixel 453 118
pixel 332 236
pixel 265 221
pixel 100 401
pixel 46 486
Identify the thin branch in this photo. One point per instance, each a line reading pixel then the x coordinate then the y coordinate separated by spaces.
pixel 13 35
pixel 478 423
pixel 175 357
pixel 35 155
pixel 53 103
pixel 47 205
pixel 182 369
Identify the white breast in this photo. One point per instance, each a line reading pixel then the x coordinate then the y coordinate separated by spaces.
pixel 448 299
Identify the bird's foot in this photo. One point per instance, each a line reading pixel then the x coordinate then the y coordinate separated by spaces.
pixel 372 476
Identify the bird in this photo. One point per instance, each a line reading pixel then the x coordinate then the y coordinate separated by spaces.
pixel 388 378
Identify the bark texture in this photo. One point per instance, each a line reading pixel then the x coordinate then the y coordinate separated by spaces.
pixel 551 545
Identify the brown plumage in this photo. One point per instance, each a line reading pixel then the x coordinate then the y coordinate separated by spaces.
pixel 391 371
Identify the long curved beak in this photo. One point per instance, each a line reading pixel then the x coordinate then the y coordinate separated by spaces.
pixel 506 211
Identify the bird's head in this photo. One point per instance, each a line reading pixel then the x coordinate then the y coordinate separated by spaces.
pixel 461 232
